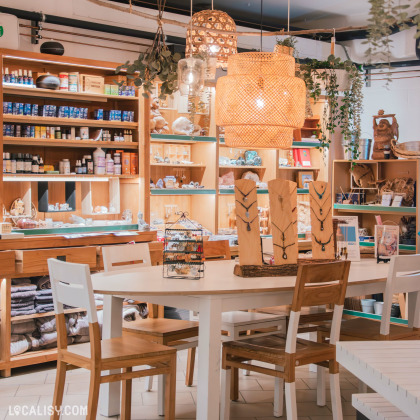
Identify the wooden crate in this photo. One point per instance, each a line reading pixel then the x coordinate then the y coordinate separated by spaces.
pixel 35 261
pixel 7 263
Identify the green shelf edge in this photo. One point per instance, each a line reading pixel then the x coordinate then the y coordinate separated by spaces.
pixel 79 229
pixel 356 207
pixel 301 144
pixel 231 191
pixel 303 191
pixel 183 138
pixel 402 247
pixel 182 192
pixel 373 316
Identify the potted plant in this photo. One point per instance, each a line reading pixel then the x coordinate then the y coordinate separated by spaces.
pixel 286 45
pixel 337 78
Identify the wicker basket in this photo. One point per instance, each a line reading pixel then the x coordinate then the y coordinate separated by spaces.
pixel 407 150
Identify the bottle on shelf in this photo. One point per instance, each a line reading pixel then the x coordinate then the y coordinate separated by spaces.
pixel 35 165
pixel 109 165
pixel 99 161
pixel 84 166
pixel 20 166
pixel 12 77
pixel 28 164
pixel 117 163
pixel 78 168
pixel 30 78
pixel 89 165
pixel 20 77
pixel 6 75
pixel 41 166
pixel 25 77
pixel 13 163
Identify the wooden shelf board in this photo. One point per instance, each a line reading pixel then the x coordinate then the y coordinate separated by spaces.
pixel 241 167
pixel 77 122
pixel 70 177
pixel 179 165
pixel 105 230
pixel 299 168
pixel 29 141
pixel 231 191
pixel 60 94
pixel 356 208
pixel 52 313
pixel 181 191
pixel 377 160
pixel 175 138
pixel 304 144
pixel 33 358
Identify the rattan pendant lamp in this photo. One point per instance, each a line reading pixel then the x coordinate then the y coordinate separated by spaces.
pixel 191 73
pixel 212 45
pixel 260 101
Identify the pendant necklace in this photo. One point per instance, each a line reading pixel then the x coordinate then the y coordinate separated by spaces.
pixel 283 238
pixel 320 205
pixel 245 196
pixel 322 243
pixel 320 195
pixel 246 207
pixel 248 227
pixel 321 220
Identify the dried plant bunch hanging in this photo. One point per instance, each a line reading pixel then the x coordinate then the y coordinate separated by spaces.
pixel 260 102
pixel 156 64
pixel 207 42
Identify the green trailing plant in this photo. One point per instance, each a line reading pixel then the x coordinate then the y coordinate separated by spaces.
pixel 344 115
pixel 156 64
pixel 290 41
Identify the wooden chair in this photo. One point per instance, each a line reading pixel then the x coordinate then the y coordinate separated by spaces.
pixel 403 277
pixel 316 284
pixel 176 333
pixel 71 285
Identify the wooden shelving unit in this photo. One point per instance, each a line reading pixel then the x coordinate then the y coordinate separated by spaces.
pixel 383 169
pixel 89 144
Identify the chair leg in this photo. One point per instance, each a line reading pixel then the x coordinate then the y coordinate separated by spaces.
pixel 148 384
pixel 225 397
pixel 161 394
pixel 60 381
pixel 321 386
pixel 126 397
pixel 362 387
pixel 291 406
pixel 190 367
pixel 336 396
pixel 246 372
pixel 170 391
pixel 95 381
pixel 278 395
pixel 234 384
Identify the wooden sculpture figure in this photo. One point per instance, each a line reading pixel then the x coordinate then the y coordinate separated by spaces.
pixel 383 134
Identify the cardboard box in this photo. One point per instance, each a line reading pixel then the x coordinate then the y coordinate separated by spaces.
pixel 5 227
pixel 92 84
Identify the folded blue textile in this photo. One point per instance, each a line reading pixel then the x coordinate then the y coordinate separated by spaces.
pixel 25 305
pixel 24 287
pixel 23 295
pixel 44 308
pixel 44 292
pixel 25 312
pixel 44 299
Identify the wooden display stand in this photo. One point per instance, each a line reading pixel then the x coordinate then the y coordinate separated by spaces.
pixel 247 222
pixel 321 220
pixel 283 207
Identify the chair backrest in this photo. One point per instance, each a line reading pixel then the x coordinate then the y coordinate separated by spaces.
pixel 71 285
pixel 318 284
pixel 216 250
pixel 119 257
pixel 403 277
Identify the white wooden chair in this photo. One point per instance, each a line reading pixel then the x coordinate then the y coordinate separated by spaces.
pixel 71 285
pixel 403 277
pixel 176 333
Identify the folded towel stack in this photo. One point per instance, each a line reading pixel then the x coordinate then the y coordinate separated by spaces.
pixel 44 301
pixel 23 294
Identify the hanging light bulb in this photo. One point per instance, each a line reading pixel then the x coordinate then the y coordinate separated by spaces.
pixel 191 73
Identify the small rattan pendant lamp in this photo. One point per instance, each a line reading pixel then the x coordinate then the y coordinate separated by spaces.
pixel 260 101
pixel 211 44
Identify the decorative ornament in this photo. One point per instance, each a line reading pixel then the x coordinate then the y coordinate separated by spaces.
pixel 208 43
pixel 260 102
pixel 191 72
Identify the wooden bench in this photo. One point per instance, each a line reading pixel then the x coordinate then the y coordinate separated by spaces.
pixel 375 407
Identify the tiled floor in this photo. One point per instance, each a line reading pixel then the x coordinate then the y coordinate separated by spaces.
pixel 33 388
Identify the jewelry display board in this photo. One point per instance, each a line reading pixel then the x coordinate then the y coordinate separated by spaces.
pixel 283 205
pixel 247 222
pixel 321 220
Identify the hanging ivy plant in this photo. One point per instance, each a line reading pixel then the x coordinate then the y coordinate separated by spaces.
pixel 344 115
pixel 156 64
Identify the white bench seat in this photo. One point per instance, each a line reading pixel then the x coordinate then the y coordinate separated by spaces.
pixel 376 407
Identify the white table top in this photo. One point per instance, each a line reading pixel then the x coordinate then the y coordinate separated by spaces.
pixel 218 279
pixel 391 368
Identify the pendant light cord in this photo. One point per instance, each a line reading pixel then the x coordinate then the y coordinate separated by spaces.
pixel 261 23
pixel 191 25
pixel 212 6
pixel 288 15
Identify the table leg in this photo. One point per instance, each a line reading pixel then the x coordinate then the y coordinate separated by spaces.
pixel 109 397
pixel 209 341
